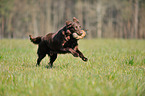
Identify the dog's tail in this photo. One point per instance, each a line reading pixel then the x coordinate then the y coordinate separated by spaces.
pixel 36 40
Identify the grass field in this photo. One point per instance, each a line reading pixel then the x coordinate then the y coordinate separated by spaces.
pixel 116 67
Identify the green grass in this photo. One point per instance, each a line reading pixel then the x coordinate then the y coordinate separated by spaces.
pixel 115 68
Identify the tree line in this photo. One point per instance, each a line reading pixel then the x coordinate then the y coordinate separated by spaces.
pixel 102 18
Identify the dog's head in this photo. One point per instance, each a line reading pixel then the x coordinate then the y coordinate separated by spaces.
pixel 75 28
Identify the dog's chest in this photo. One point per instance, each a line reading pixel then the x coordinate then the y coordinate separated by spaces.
pixel 71 43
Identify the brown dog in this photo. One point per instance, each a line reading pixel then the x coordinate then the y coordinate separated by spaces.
pixel 60 42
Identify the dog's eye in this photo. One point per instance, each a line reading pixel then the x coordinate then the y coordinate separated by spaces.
pixel 76 26
pixel 80 26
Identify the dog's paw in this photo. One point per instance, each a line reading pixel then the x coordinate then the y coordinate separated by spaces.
pixel 85 59
pixel 37 65
pixel 50 65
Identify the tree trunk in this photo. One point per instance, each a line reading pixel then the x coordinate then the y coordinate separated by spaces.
pixel 35 27
pixel 3 24
pixel 99 20
pixel 10 26
pixel 48 17
pixel 136 18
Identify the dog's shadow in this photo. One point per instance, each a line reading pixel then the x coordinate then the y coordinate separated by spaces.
pixel 49 67
pixel 58 67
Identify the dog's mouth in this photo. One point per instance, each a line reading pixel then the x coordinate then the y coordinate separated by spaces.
pixel 79 32
pixel 79 36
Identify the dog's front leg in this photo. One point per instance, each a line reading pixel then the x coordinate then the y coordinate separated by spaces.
pixel 80 54
pixel 70 50
pixel 73 52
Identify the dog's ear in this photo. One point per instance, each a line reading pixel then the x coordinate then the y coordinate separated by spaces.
pixel 69 24
pixel 75 20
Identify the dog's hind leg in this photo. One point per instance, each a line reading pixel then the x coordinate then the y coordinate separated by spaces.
pixel 52 59
pixel 40 57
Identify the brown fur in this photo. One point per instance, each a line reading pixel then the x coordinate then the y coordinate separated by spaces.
pixel 60 42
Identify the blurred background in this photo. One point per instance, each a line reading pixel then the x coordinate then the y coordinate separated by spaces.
pixel 102 18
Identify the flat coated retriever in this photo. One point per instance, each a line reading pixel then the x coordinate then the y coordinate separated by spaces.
pixel 60 42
